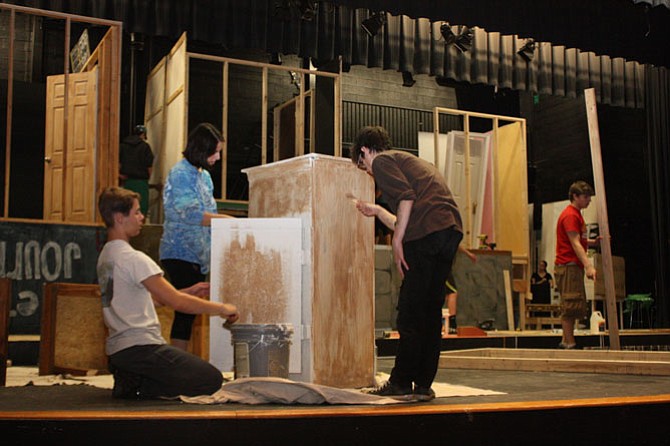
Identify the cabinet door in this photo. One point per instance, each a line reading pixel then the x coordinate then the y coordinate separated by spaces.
pixel 257 266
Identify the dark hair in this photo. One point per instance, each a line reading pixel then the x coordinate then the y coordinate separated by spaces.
pixel 579 188
pixel 115 199
pixel 201 144
pixel 375 138
pixel 139 129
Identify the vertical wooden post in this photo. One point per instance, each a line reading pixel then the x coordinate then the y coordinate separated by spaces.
pixel 10 97
pixel 436 137
pixel 264 117
pixel 603 222
pixel 5 305
pixel 224 129
pixel 466 213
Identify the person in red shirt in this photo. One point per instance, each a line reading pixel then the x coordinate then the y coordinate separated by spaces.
pixel 572 262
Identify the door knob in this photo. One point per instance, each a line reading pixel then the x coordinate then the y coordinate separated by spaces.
pixel 47 159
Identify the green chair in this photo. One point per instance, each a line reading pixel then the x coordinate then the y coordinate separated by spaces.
pixel 636 305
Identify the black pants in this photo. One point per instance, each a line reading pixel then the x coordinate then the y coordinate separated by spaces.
pixel 166 371
pixel 182 275
pixel 420 307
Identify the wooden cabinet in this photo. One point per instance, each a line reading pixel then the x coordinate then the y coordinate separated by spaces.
pixel 336 302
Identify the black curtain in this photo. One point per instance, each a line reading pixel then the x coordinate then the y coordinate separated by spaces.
pixel 404 43
pixel 658 159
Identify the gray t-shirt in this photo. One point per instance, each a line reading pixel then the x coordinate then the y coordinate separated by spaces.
pixel 127 307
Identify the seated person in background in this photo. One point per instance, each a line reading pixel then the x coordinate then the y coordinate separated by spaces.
pixel 541 284
pixel 143 364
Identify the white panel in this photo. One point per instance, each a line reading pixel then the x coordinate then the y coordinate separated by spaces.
pixel 256 265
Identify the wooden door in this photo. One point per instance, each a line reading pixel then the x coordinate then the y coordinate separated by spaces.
pixel 454 172
pixel 69 157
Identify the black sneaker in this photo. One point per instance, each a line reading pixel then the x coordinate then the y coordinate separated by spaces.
pixel 126 385
pixel 423 393
pixel 393 391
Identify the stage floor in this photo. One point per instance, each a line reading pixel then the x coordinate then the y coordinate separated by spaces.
pixel 534 407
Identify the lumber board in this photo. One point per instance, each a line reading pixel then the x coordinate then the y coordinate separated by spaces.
pixel 544 360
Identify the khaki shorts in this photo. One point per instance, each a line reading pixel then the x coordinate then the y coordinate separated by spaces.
pixel 570 283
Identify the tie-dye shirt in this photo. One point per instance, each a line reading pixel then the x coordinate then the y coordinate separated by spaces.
pixel 187 195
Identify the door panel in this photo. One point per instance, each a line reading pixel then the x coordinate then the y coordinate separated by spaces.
pixel 69 182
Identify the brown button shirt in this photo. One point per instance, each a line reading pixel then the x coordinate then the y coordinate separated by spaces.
pixel 403 176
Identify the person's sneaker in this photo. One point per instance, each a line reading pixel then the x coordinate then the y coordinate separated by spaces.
pixel 126 385
pixel 564 346
pixel 394 391
pixel 423 393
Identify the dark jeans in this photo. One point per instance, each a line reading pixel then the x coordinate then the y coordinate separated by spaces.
pixel 166 371
pixel 182 275
pixel 420 307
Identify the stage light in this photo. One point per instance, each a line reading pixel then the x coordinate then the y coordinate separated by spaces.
pixel 407 79
pixel 462 41
pixel 307 9
pixel 275 59
pixel 447 34
pixel 527 51
pixel 374 23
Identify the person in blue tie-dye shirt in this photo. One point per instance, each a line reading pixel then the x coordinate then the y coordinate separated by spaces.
pixel 189 205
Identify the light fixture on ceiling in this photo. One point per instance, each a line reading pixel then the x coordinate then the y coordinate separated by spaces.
pixel 307 9
pixel 285 10
pixel 275 59
pixel 407 79
pixel 447 34
pixel 527 51
pixel 374 23
pixel 462 41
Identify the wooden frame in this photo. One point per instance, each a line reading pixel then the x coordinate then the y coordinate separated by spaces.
pixel 5 305
pixel 510 214
pixel 68 345
pixel 107 57
pixel 548 360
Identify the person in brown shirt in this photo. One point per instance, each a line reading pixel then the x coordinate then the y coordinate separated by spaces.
pixel 427 231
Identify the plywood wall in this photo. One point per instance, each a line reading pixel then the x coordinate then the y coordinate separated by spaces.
pixel 512 230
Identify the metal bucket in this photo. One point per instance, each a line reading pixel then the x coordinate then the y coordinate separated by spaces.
pixel 261 349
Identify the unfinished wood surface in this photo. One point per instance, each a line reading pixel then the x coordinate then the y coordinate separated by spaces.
pixel 154 121
pixel 545 360
pixel 508 299
pixel 175 107
pixel 512 195
pixel 5 305
pixel 106 59
pixel 603 221
pixel 338 281
pixel 73 332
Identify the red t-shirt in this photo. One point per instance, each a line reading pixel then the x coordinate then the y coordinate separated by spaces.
pixel 570 220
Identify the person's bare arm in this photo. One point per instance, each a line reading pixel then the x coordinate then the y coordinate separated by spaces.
pixel 581 254
pixel 375 210
pixel 402 219
pixel 165 294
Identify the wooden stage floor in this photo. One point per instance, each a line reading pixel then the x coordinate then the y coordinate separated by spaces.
pixel 534 408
